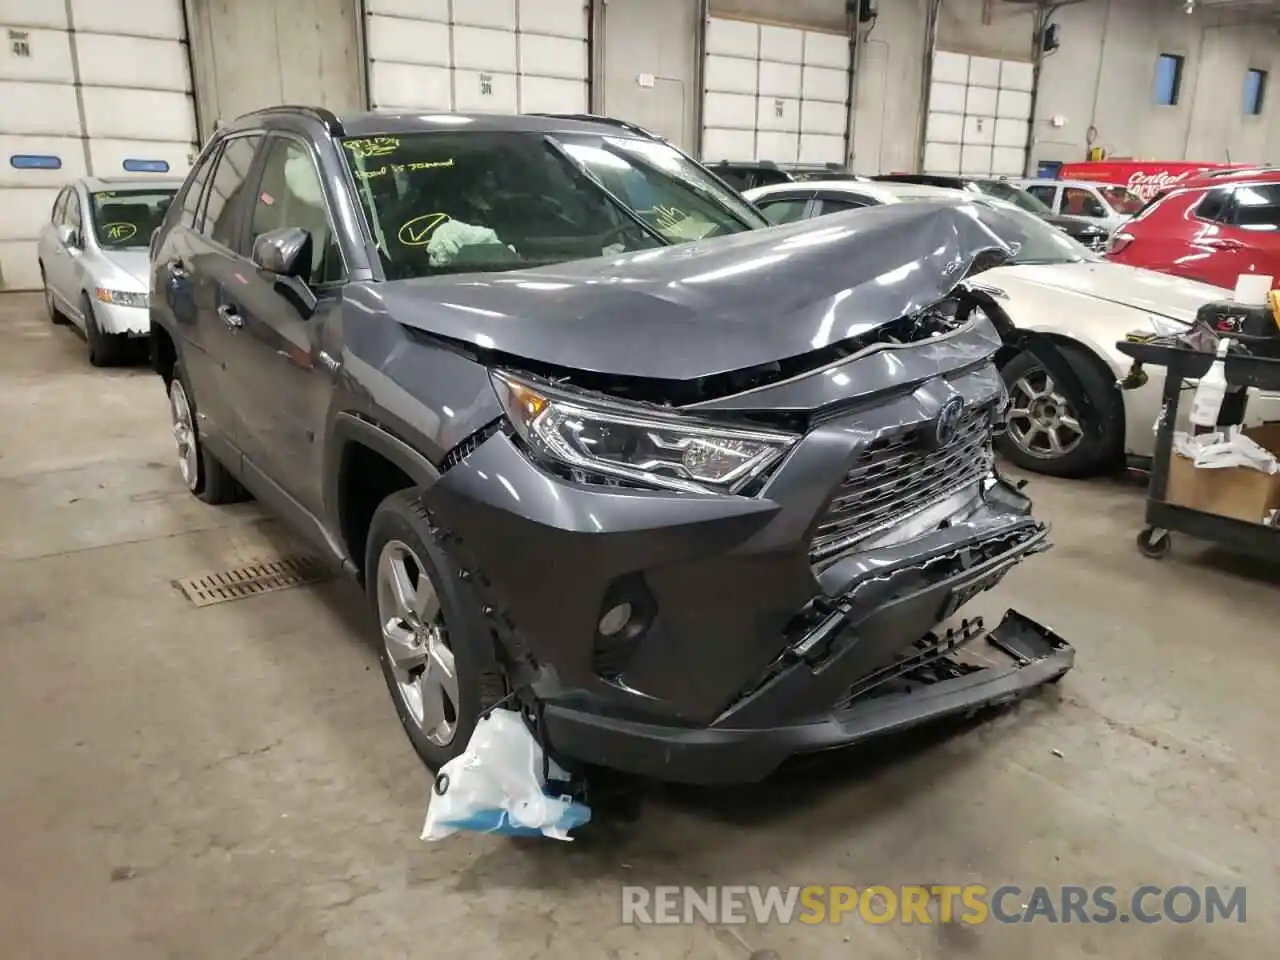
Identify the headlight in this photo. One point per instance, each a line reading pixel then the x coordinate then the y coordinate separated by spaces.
pixel 1167 326
pixel 617 440
pixel 121 298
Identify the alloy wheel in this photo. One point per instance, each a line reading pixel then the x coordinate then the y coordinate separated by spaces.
pixel 417 644
pixel 184 434
pixel 1041 421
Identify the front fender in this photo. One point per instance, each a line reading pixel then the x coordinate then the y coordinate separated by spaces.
pixel 1046 351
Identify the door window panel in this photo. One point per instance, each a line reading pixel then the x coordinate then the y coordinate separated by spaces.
pixel 226 191
pixel 830 205
pixel 59 207
pixel 73 210
pixel 784 211
pixel 1081 203
pixel 1214 205
pixel 1257 207
pixel 1043 192
pixel 195 189
pixel 291 194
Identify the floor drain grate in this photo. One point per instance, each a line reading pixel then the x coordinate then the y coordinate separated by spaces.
pixel 251 580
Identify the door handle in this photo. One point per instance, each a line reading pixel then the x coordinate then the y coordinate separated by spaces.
pixel 229 316
pixel 1223 243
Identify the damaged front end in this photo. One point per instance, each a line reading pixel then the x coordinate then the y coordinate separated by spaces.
pixel 695 580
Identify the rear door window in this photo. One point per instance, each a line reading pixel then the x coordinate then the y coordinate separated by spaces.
pixel 1214 205
pixel 227 190
pixel 1256 207
pixel 193 191
pixel 828 205
pixel 783 209
pixel 1046 193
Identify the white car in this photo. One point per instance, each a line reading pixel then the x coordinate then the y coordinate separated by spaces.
pixel 94 263
pixel 1056 287
pixel 1108 204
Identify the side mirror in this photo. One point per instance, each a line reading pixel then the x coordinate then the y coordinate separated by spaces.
pixel 282 251
pixel 286 255
pixel 68 236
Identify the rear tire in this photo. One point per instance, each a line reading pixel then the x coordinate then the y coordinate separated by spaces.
pixel 105 349
pixel 444 671
pixel 203 475
pixel 1038 413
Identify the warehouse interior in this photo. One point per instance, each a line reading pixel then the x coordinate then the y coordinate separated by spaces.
pixel 186 776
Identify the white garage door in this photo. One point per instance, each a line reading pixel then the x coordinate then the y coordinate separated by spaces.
pixel 979 109
pixel 478 56
pixel 774 93
pixel 86 87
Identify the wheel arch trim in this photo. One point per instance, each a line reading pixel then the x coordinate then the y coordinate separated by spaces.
pixel 348 428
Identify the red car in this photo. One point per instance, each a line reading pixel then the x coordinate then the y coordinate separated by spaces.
pixel 1210 229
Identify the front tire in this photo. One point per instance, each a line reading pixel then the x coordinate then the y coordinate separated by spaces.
pixel 202 474
pixel 1044 433
pixel 105 349
pixel 436 648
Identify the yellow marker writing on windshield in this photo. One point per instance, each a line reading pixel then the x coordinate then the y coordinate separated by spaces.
pixel 416 232
pixel 372 146
pixel 117 232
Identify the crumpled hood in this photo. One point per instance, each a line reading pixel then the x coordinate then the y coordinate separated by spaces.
pixel 713 306
pixel 1114 283
pixel 133 263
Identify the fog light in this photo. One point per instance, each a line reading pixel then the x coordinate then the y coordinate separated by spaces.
pixel 615 619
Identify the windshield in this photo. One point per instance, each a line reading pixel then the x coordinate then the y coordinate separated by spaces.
pixel 126 218
pixel 455 201
pixel 1121 199
pixel 1011 194
pixel 1033 240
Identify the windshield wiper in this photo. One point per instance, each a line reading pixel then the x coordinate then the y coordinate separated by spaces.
pixel 609 195
pixel 693 185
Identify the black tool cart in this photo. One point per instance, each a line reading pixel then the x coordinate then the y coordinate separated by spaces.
pixel 1163 517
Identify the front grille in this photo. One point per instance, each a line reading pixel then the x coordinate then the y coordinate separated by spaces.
pixel 896 476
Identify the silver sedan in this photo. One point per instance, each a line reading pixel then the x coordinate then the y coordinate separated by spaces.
pixel 93 259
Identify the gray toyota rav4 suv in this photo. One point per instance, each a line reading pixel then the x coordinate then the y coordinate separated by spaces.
pixel 692 493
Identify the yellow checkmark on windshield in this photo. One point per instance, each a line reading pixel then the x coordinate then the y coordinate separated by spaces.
pixel 416 232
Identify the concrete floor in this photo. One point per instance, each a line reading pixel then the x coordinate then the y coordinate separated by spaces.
pixel 232 782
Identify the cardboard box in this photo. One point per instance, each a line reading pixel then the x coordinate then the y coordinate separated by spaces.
pixel 1237 492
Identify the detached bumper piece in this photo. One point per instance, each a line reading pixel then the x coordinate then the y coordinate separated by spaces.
pixel 954 674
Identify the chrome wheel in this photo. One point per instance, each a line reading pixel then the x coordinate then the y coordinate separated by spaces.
pixel 184 434
pixel 414 633
pixel 1041 421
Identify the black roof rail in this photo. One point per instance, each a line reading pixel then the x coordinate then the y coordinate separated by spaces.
pixel 326 118
pixel 601 118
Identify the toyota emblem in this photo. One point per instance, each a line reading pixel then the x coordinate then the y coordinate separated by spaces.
pixel 947 425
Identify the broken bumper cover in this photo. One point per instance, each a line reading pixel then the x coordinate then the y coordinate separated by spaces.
pixel 1024 656
pixel 744 644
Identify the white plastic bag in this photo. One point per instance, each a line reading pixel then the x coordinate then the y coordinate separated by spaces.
pixel 496 786
pixel 1221 450
pixel 452 235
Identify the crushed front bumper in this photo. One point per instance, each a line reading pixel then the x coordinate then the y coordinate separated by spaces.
pixel 1020 656
pixel 751 647
pixel 114 319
